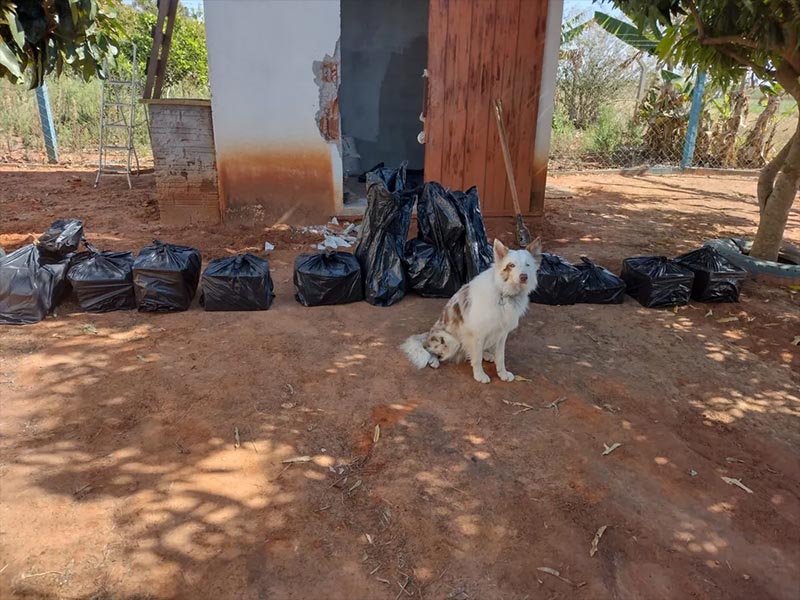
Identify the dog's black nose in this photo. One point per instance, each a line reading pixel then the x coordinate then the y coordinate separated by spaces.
pixel 523 277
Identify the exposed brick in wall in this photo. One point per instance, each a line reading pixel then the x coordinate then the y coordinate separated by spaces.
pixel 182 138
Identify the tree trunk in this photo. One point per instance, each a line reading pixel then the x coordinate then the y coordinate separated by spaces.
pixel 766 180
pixel 776 212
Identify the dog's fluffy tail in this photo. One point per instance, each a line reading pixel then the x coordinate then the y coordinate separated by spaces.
pixel 415 351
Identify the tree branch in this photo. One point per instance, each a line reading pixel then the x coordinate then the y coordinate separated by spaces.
pixel 701 32
pixel 760 70
pixel 736 40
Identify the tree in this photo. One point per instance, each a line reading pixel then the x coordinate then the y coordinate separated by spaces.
pixel 725 38
pixel 188 60
pixel 591 72
pixel 41 36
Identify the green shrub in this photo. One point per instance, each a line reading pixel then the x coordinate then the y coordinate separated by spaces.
pixel 608 132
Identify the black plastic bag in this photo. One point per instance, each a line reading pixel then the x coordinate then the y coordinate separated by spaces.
pixel 558 282
pixel 62 237
pixel 103 281
pixel 165 277
pixel 479 251
pixel 657 281
pixel 451 246
pixel 240 282
pixel 598 285
pixel 716 279
pixel 429 270
pixel 327 278
pixel 383 235
pixel 32 284
pixel 431 267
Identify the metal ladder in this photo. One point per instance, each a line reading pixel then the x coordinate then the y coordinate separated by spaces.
pixel 117 122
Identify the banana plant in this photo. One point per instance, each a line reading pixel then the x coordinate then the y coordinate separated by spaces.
pixel 643 43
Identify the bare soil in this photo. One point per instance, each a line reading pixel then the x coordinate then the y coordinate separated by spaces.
pixel 120 477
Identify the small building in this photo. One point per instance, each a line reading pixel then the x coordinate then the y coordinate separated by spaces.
pixel 306 95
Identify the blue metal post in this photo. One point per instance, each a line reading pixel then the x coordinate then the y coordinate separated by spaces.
pixel 48 128
pixel 694 122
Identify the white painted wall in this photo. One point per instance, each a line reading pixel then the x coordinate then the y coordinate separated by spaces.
pixel 265 100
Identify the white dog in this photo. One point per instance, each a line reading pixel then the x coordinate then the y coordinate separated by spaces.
pixel 477 320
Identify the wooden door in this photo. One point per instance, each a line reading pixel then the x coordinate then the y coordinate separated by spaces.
pixel 479 50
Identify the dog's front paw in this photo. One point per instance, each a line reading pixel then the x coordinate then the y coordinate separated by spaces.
pixel 481 377
pixel 505 375
pixel 433 362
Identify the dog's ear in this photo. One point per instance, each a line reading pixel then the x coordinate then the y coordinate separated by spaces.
pixel 500 251
pixel 535 248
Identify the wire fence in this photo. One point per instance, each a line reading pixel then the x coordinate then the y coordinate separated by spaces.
pixel 615 108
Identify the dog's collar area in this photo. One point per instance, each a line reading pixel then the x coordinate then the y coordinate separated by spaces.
pixel 513 298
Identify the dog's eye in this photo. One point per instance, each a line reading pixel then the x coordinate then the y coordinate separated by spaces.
pixel 527 264
pixel 510 266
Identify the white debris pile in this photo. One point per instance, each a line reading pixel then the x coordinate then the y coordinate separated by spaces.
pixel 334 234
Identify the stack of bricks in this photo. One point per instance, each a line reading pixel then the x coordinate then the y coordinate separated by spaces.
pixel 182 138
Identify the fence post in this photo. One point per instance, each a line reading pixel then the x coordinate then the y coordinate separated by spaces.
pixel 694 122
pixel 48 128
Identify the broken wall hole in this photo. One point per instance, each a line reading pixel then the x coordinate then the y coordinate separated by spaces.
pixel 384 48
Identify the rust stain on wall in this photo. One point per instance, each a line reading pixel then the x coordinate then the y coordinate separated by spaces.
pixel 277 186
pixel 326 76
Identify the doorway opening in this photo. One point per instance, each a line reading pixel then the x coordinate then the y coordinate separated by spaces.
pixel 384 50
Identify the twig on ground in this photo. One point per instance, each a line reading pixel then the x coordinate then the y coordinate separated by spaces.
pixel 596 540
pixel 87 487
pixel 738 483
pixel 554 404
pixel 297 459
pixel 403 588
pixel 525 407
pixel 555 573
pixel 282 472
pixel 29 576
pixel 237 440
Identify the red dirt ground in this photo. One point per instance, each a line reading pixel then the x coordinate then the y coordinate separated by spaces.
pixel 119 477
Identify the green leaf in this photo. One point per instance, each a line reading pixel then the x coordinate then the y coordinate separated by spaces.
pixel 625 32
pixel 15 25
pixel 572 29
pixel 74 8
pixel 9 60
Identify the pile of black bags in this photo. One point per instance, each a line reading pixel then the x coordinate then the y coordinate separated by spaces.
pixel 33 279
pixel 703 274
pixel 450 247
pixel 562 283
